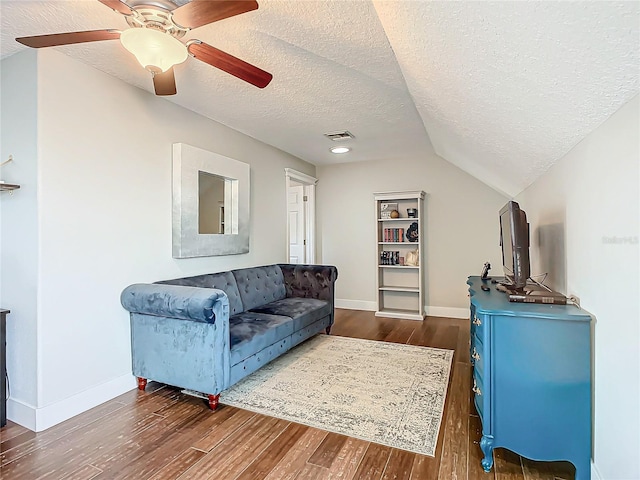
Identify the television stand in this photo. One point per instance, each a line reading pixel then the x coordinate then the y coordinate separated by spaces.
pixel 531 378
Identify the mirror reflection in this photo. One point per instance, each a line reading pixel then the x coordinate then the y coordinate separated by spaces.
pixel 211 196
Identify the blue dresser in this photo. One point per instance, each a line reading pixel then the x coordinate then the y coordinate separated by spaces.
pixel 531 378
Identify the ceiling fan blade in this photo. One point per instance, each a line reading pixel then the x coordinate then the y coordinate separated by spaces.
pixel 165 83
pixel 56 39
pixel 197 13
pixel 230 64
pixel 118 6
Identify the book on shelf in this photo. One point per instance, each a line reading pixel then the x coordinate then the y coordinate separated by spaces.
pixel 393 235
pixel 390 257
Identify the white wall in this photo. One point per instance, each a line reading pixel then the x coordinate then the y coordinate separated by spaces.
pixel 104 170
pixel 584 221
pixel 19 226
pixel 462 229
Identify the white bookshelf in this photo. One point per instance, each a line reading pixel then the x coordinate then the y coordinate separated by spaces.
pixel 400 289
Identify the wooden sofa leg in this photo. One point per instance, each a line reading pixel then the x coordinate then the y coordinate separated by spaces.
pixel 328 329
pixel 213 401
pixel 142 383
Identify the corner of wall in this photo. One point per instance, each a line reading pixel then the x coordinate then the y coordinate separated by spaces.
pixel 39 419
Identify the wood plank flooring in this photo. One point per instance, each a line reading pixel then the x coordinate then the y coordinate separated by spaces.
pixel 162 434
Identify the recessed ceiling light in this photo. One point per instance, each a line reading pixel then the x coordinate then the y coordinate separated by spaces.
pixel 340 149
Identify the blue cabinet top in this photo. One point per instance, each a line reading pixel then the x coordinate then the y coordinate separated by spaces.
pixel 495 302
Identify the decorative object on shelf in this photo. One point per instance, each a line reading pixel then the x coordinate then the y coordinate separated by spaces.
pixel 7 187
pixel 412 259
pixel 412 212
pixel 394 214
pixel 387 208
pixel 412 232
pixel 10 159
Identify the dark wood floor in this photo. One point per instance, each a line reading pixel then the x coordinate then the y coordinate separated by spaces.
pixel 163 434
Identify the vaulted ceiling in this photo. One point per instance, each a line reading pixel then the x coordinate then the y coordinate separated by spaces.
pixel 500 89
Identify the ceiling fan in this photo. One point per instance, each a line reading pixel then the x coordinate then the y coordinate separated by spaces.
pixel 157 26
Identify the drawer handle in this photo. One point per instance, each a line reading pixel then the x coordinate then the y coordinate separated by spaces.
pixel 476 321
pixel 475 355
pixel 476 389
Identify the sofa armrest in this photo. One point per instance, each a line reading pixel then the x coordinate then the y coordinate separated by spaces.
pixel 176 301
pixel 180 335
pixel 310 281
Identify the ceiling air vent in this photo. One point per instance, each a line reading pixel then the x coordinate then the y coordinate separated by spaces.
pixel 339 136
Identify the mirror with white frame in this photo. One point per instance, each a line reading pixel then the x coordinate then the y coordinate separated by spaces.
pixel 210 203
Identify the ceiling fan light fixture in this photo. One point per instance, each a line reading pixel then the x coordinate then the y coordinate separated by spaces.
pixel 155 50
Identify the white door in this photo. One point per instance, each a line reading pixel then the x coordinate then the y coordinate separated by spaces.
pixel 295 210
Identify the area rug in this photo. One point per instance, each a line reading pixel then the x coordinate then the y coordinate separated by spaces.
pixel 381 392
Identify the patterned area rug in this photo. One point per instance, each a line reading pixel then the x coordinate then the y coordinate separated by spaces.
pixel 380 392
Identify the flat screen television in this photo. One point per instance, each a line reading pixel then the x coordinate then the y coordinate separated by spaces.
pixel 514 240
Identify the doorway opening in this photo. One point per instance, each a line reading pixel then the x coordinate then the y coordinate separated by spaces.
pixel 301 216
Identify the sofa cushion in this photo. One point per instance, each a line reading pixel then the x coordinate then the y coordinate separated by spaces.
pixel 224 281
pixel 304 311
pixel 250 332
pixel 260 285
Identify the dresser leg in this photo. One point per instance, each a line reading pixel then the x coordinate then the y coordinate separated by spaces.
pixel 486 445
pixel 142 383
pixel 328 329
pixel 213 401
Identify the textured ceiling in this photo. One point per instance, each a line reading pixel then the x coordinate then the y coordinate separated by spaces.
pixel 502 90
pixel 505 89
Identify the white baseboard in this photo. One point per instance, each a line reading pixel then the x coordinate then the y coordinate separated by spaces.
pixel 39 419
pixel 21 413
pixel 356 305
pixel 595 474
pixel 450 312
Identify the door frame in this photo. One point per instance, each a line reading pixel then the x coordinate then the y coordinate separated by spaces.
pixel 309 187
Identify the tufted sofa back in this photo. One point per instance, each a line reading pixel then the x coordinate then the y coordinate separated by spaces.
pixel 260 285
pixel 310 281
pixel 224 281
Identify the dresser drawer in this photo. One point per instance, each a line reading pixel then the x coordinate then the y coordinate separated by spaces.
pixel 477 355
pixel 479 395
pixel 478 322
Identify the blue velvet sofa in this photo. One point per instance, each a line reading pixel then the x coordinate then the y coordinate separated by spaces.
pixel 207 332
